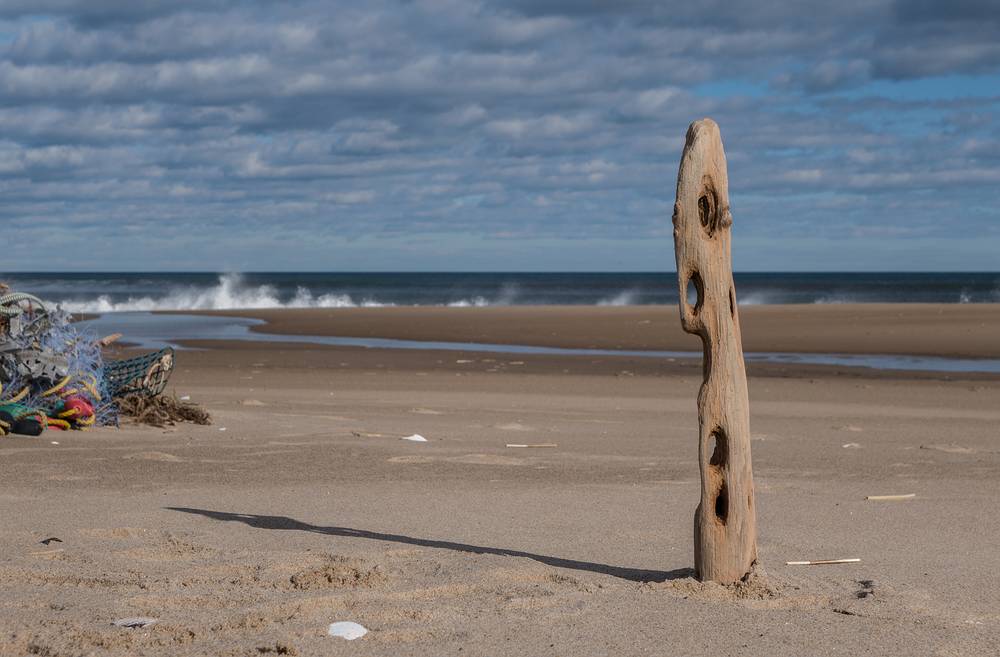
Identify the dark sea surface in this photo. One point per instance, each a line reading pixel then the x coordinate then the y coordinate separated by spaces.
pixel 97 292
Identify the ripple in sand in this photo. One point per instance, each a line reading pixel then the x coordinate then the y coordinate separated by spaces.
pixel 410 459
pixel 153 456
pixel 486 459
pixel 849 427
pixel 114 532
pixel 425 411
pixel 514 426
pixel 950 448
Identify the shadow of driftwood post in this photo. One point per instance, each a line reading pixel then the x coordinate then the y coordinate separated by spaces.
pixel 286 523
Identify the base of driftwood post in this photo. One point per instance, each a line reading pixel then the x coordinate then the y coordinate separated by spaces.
pixel 725 537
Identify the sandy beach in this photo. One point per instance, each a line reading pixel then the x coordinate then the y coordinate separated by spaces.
pixel 301 505
pixel 968 330
pixel 499 329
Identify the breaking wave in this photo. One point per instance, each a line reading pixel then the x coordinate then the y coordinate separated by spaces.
pixel 231 293
pixel 624 298
pixel 757 298
pixel 120 292
pixel 507 297
pixel 475 302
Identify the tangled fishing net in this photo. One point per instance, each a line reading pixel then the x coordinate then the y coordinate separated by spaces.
pixel 53 375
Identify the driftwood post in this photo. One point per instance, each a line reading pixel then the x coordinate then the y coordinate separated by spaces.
pixel 725 523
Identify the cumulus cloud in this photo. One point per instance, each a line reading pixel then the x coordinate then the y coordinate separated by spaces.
pixel 171 126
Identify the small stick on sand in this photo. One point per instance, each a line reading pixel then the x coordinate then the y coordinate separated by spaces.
pixel 821 562
pixel 890 498
pixel 538 445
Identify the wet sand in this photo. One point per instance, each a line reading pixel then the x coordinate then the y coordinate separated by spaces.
pixel 309 508
pixel 968 331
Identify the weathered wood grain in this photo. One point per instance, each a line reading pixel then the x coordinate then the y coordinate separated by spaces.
pixel 725 521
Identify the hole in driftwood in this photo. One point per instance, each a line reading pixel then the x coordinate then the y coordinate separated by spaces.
pixel 717 464
pixel 708 211
pixel 705 210
pixel 695 292
pixel 722 504
pixel 720 449
pixel 732 303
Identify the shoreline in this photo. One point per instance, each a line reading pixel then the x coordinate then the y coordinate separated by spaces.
pixel 941 330
pixel 618 366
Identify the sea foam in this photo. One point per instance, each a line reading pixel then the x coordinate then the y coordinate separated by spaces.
pixel 623 298
pixel 230 293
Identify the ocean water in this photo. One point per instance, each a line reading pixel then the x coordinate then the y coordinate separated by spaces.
pixel 116 292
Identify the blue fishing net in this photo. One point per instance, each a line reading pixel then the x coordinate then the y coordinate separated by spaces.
pixel 53 372
pixel 52 369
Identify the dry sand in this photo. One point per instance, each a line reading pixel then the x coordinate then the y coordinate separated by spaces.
pixel 309 509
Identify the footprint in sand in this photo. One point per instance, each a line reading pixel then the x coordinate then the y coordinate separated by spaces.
pixel 950 448
pixel 153 456
pixel 514 426
pixel 339 573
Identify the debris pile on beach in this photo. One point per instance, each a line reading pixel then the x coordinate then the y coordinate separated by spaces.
pixel 161 410
pixel 53 375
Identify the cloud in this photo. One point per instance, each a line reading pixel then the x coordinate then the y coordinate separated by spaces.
pixel 169 127
pixel 550 126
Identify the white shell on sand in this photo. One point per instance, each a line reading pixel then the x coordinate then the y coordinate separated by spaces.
pixel 417 438
pixel 347 630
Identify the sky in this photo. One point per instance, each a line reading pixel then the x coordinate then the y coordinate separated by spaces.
pixel 529 135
